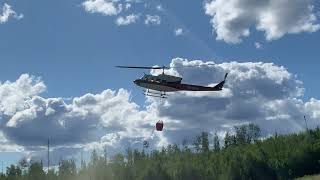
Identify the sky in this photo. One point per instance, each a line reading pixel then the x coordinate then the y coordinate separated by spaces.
pixel 58 78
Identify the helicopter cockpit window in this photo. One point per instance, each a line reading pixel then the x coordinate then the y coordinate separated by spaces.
pixel 144 77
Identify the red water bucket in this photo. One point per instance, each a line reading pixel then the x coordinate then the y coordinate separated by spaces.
pixel 159 126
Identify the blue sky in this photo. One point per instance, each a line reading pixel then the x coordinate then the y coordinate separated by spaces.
pixel 74 51
pixel 58 40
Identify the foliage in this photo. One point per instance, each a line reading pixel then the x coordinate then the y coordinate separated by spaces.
pixel 243 156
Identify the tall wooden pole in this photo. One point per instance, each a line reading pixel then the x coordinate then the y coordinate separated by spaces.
pixel 48 155
pixel 305 120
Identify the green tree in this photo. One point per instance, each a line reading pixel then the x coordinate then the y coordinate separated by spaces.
pixel 23 164
pixel 36 171
pixel 197 143
pixel 240 135
pixel 254 132
pixel 227 140
pixel 13 172
pixel 94 158
pixel 244 157
pixel 67 168
pixel 216 142
pixel 204 142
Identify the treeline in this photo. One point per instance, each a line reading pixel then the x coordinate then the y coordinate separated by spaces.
pixel 243 155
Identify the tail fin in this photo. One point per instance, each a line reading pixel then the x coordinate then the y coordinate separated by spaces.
pixel 220 85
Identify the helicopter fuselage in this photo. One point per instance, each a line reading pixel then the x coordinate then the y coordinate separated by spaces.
pixel 155 85
pixel 167 83
pixel 160 82
pixel 162 78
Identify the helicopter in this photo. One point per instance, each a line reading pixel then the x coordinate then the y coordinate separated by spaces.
pixel 163 83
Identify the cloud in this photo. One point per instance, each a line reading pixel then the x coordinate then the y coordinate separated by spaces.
pixel 231 21
pixel 313 108
pixel 105 7
pixel 262 93
pixel 108 118
pixel 6 146
pixel 117 8
pixel 159 8
pixel 13 95
pixel 178 31
pixel 152 20
pixel 127 6
pixel 130 19
pixel 257 45
pixel 8 12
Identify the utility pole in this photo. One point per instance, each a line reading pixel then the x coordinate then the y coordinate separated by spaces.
pixel 305 120
pixel 48 154
pixel 81 160
pixel 81 156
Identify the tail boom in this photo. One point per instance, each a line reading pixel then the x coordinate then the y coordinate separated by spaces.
pixel 190 87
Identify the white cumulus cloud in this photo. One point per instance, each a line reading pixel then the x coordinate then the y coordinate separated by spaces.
pixel 93 120
pixel 231 20
pixel 8 12
pixel 105 7
pixel 152 20
pixel 14 95
pixel 130 19
pixel 119 9
pixel 159 7
pixel 262 93
pixel 127 6
pixel 258 45
pixel 178 31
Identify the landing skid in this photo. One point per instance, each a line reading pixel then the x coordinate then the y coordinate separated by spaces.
pixel 158 96
pixel 155 94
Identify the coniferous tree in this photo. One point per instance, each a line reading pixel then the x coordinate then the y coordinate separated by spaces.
pixel 227 140
pixel 36 171
pixel 197 143
pixel 216 142
pixel 204 142
pixel 94 158
pixel 13 172
pixel 244 157
pixel 23 164
pixel 67 168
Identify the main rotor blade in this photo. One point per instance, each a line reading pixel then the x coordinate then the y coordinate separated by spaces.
pixel 143 67
pixel 164 67
pixel 191 66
